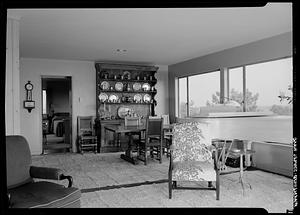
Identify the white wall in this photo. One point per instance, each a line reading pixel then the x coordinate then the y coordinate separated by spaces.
pixel 83 92
pixel 276 158
pixel 12 78
pixel 162 96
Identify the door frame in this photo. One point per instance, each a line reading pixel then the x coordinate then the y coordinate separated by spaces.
pixel 69 78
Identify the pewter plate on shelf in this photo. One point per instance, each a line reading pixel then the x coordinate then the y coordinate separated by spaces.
pixel 137 98
pixel 136 86
pixel 104 85
pixel 113 98
pixel 124 111
pixel 147 98
pixel 146 87
pixel 119 86
pixel 103 97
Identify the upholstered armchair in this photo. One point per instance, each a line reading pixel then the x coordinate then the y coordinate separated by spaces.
pixel 192 158
pixel 24 191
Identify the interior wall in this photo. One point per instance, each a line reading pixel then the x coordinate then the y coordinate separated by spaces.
pixel 12 78
pixel 263 50
pixel 83 75
pixel 162 96
pixel 83 93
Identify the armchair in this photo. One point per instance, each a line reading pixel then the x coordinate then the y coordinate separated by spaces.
pixel 24 191
pixel 191 157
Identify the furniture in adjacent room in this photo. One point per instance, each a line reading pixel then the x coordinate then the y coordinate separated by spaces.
pixel 24 191
pixel 57 132
pixel 117 130
pixel 87 139
pixel 192 159
pixel 60 139
pixel 154 139
pixel 122 90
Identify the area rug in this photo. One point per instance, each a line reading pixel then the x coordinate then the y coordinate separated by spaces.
pixel 107 181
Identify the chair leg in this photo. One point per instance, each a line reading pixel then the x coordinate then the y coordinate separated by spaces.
pixel 160 154
pixel 145 156
pixel 218 186
pixel 170 185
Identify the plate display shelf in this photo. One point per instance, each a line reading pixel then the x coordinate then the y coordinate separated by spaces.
pixel 126 82
pixel 121 89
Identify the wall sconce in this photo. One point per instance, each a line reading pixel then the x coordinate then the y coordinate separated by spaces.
pixel 28 103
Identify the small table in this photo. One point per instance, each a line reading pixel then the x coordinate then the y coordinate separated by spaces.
pixel 241 153
pixel 118 129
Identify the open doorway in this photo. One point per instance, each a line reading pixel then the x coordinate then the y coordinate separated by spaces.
pixel 57 114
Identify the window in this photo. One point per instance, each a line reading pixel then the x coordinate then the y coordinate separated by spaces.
pixel 265 82
pixel 197 92
pixel 236 87
pixel 44 102
pixel 182 104
pixel 202 89
pixel 262 87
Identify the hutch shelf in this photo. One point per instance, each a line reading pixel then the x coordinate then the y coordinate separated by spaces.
pixel 122 90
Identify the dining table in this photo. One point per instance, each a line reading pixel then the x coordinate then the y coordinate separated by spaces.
pixel 129 131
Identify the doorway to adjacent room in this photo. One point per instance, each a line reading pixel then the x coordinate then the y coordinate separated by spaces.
pixel 57 113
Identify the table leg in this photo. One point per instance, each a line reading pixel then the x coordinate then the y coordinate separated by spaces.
pixel 128 153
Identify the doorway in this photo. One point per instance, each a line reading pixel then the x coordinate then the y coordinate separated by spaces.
pixel 56 114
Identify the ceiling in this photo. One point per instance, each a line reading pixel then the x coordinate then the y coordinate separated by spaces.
pixel 161 36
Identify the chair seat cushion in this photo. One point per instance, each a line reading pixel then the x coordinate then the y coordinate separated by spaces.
pixel 44 194
pixel 193 171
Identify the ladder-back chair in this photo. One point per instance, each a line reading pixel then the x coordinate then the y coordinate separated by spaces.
pixel 87 138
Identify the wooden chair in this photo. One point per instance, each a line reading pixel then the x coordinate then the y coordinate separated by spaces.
pixel 153 140
pixel 132 121
pixel 167 134
pixel 191 158
pixel 86 134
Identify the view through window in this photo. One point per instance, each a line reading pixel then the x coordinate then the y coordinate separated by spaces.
pixel 268 89
pixel 182 106
pixel 203 90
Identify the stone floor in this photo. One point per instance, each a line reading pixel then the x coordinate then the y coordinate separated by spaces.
pixel 107 181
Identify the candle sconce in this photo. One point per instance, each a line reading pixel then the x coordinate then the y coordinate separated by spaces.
pixel 29 104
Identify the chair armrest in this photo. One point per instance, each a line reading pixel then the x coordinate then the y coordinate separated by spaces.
pixel 8 200
pixel 49 173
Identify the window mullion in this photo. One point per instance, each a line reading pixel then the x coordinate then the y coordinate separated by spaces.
pixel 244 89
pixel 187 97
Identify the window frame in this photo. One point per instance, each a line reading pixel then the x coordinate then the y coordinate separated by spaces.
pixel 223 90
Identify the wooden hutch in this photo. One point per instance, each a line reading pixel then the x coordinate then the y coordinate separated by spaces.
pixel 121 90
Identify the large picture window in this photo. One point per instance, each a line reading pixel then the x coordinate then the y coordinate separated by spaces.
pixel 266 82
pixel 201 90
pixel 263 87
pixel 182 97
